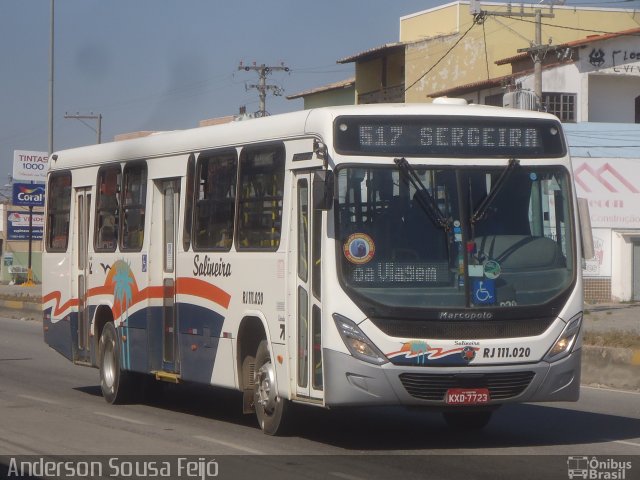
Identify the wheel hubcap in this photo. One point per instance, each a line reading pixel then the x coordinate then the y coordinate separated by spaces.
pixel 266 393
pixel 109 365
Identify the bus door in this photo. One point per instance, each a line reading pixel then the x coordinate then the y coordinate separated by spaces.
pixel 170 193
pixel 83 217
pixel 306 317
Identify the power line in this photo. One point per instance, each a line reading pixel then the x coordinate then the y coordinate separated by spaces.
pixel 486 55
pixel 577 29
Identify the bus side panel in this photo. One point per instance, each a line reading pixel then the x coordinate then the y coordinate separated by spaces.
pixel 135 349
pixel 154 338
pixel 199 335
pixel 58 334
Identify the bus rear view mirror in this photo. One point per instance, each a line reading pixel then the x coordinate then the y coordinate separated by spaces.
pixel 323 190
pixel 584 218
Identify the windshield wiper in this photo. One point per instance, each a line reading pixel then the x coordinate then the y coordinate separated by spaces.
pixel 480 212
pixel 424 197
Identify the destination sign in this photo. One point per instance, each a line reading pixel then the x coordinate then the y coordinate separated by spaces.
pixel 449 137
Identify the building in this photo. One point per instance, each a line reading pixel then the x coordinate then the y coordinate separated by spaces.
pixel 606 164
pixel 442 47
pixel 592 79
pixel 337 93
pixel 14 243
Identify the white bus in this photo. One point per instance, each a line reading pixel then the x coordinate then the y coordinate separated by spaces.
pixel 416 255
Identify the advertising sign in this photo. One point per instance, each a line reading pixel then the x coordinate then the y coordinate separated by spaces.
pixel 30 166
pixel 28 195
pixel 18 226
pixel 612 187
pixel 600 264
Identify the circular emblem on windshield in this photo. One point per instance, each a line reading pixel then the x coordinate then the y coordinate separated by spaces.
pixel 359 248
pixel 492 269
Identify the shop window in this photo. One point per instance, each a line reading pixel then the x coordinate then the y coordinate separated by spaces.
pixel 562 105
pixel 495 99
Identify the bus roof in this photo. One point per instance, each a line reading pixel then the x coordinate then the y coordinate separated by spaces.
pixel 277 127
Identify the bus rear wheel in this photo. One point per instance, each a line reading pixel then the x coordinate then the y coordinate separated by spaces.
pixel 271 409
pixel 468 420
pixel 116 384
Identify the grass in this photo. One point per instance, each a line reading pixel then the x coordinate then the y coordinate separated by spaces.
pixel 615 338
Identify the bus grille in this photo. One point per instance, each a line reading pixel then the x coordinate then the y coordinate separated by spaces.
pixel 447 330
pixel 427 386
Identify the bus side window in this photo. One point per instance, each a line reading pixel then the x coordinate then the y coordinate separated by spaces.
pixel 188 210
pixel 215 200
pixel 106 227
pixel 261 193
pixel 58 208
pixel 133 206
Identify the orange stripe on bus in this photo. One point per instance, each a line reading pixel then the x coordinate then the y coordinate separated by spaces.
pixel 200 288
pixel 58 309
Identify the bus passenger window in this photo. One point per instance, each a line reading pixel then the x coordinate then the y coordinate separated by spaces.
pixel 107 209
pixel 261 193
pixel 188 210
pixel 133 206
pixel 215 200
pixel 58 209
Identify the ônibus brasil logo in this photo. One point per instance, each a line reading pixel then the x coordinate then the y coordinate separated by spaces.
pixel 597 468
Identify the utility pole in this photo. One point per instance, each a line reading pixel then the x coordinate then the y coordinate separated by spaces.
pixel 51 52
pixel 537 49
pixel 97 117
pixel 262 87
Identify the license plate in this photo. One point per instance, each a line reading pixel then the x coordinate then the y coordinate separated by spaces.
pixel 467 396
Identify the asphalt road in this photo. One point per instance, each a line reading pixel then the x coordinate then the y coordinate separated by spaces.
pixel 50 407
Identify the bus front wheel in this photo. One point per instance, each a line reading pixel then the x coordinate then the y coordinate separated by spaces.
pixel 271 409
pixel 114 382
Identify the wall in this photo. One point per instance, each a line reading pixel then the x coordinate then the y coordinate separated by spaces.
pixel 368 76
pixel 611 98
pixel 340 96
pixel 442 20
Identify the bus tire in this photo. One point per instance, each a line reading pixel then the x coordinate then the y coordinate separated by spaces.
pixel 116 384
pixel 469 420
pixel 271 409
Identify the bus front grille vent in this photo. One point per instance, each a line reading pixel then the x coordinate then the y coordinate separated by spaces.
pixel 456 330
pixel 502 385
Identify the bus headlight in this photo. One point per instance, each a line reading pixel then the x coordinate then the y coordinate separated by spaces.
pixel 357 342
pixel 566 341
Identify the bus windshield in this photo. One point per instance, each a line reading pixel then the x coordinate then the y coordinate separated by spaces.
pixel 455 237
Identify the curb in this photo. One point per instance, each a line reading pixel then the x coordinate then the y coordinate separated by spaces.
pixel 26 305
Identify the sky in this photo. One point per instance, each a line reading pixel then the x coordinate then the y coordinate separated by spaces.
pixel 167 64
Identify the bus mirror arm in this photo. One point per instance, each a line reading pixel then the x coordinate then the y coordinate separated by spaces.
pixel 586 235
pixel 323 190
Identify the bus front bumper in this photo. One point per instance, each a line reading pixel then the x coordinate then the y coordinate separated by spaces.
pixel 351 382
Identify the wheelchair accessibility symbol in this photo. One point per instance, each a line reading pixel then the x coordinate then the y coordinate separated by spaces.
pixel 484 291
